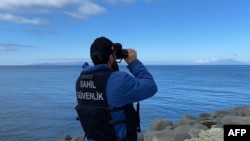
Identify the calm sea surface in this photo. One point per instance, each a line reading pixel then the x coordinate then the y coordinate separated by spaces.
pixel 37 102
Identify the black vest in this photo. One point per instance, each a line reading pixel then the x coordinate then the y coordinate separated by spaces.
pixel 94 113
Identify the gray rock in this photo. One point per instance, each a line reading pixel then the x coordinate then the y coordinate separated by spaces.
pixel 182 129
pixel 235 120
pixel 65 138
pixel 160 124
pixel 187 120
pixel 221 113
pixel 196 129
pixel 140 137
pixel 165 135
pixel 200 126
pixel 204 115
pixel 213 134
pixel 194 133
pixel 206 127
pixel 78 138
pixel 243 111
pixel 209 122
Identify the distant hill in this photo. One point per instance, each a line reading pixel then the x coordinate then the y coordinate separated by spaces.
pixel 226 62
pixel 59 63
pixel 215 62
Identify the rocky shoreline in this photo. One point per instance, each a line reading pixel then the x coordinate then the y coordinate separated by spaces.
pixel 205 127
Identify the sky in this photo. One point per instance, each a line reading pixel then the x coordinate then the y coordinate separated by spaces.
pixel 161 31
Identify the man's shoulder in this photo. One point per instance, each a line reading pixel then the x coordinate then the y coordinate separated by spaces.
pixel 119 74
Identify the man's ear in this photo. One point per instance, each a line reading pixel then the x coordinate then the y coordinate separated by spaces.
pixel 111 59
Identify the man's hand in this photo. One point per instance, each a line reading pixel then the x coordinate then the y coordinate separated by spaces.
pixel 132 55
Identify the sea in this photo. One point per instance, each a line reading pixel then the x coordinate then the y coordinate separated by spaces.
pixel 37 101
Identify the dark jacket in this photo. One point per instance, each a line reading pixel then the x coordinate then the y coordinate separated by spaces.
pixel 123 88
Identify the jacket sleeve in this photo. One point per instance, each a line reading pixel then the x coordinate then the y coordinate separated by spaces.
pixel 140 86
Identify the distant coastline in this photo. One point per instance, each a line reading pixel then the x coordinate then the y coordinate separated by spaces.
pixel 216 62
pixel 79 63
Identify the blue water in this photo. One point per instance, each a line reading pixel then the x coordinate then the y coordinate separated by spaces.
pixel 37 102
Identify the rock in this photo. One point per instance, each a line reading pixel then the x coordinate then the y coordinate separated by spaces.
pixel 235 120
pixel 140 137
pixel 209 122
pixel 221 113
pixel 213 134
pixel 165 135
pixel 206 127
pixel 200 126
pixel 243 111
pixel 78 138
pixel 160 124
pixel 187 120
pixel 150 135
pixel 194 133
pixel 204 115
pixel 182 129
pixel 65 138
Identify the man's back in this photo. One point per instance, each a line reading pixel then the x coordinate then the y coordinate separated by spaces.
pixel 121 88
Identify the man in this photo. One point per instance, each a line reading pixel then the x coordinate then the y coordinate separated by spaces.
pixel 105 95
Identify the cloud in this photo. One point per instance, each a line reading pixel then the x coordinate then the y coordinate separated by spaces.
pixel 87 9
pixel 120 1
pixel 6 47
pixel 152 0
pixel 128 1
pixel 62 61
pixel 214 61
pixel 10 47
pixel 17 19
pixel 19 11
pixel 13 5
pixel 40 32
pixel 2 48
pixel 11 10
pixel 205 61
